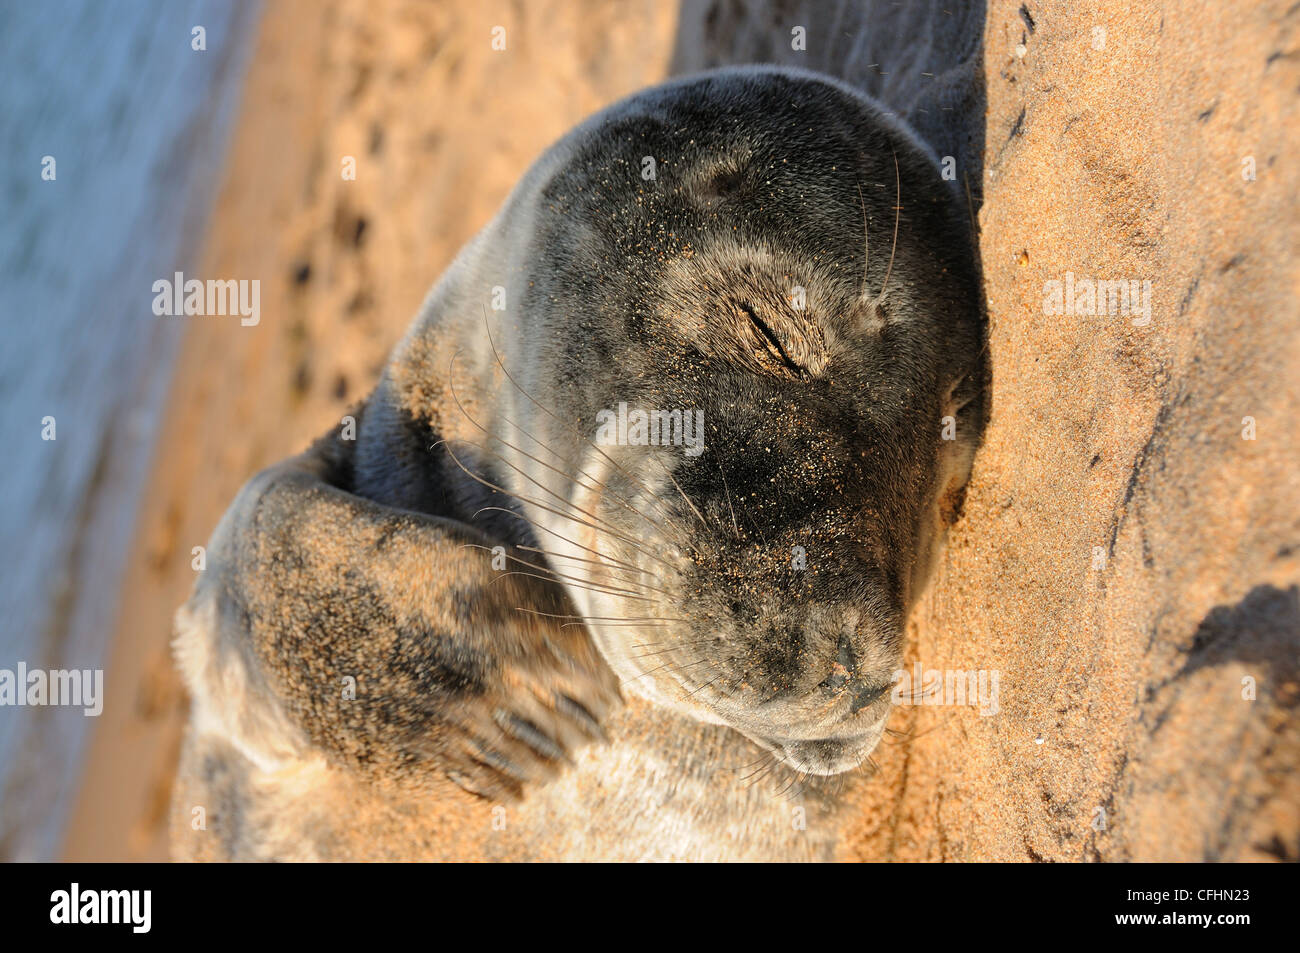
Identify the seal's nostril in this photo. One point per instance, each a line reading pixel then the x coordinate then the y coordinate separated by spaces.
pixel 844 678
pixel 844 653
pixel 842 671
pixel 836 680
pixel 864 695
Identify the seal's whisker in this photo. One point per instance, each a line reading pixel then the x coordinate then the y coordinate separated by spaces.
pixel 753 779
pixel 734 525
pixel 518 469
pixel 520 516
pixel 550 509
pixel 898 205
pixel 560 575
pixel 618 498
pixel 660 668
pixel 837 785
pixel 636 585
pixel 763 763
pixel 866 247
pixel 670 648
pixel 621 625
pixel 451 381
pixel 590 588
pixel 604 558
pixel 798 787
pixel 970 208
pixel 770 771
pixel 744 511
pixel 961 380
pixel 753 522
pixel 492 436
pixel 759 760
pixel 917 696
pixel 590 583
pixel 777 764
pixel 658 651
pixel 910 735
pixel 795 778
pixel 712 680
pixel 557 418
pixel 543 486
pixel 604 486
pixel 534 549
pixel 763 755
pixel 613 583
pixel 598 618
pixel 614 577
pixel 688 500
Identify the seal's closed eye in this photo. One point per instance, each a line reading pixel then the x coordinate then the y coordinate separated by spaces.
pixel 779 341
pixel 775 351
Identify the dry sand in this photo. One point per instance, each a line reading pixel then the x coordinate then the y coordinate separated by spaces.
pixel 1122 686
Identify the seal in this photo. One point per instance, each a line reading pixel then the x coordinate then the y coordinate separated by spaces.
pixel 681 427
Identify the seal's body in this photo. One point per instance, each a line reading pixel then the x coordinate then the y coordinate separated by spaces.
pixel 457 599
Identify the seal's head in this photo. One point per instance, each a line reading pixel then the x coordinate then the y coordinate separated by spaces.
pixel 742 354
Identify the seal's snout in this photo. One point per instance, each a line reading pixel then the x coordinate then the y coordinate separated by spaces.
pixel 844 669
pixel 745 510
pixel 846 680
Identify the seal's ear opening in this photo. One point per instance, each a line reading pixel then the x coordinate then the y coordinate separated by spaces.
pixel 964 393
pixel 965 410
pixel 727 179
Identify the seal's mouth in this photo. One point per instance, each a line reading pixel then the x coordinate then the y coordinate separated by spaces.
pixel 823 756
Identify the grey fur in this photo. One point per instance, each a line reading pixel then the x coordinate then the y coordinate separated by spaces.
pixel 823 431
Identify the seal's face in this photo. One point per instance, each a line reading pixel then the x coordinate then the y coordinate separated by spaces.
pixel 750 391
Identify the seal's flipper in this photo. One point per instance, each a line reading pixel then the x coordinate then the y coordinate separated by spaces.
pixel 394 641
